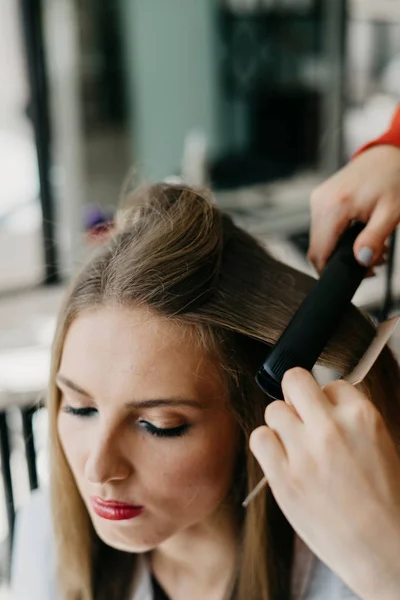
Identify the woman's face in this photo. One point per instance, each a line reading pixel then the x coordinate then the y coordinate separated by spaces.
pixel 144 420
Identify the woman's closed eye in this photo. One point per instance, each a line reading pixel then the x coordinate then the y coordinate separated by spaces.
pixel 176 431
pixel 79 412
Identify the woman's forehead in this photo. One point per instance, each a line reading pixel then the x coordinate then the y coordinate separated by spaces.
pixel 138 331
pixel 119 347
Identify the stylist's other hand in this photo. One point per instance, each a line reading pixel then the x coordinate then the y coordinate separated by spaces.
pixel 335 473
pixel 367 189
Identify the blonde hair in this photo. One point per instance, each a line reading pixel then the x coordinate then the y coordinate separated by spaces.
pixel 175 252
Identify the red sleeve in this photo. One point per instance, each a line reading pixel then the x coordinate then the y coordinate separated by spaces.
pixel 391 136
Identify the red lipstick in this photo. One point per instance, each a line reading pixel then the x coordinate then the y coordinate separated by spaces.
pixel 114 510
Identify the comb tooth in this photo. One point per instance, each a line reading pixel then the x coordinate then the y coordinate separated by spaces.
pixel 254 493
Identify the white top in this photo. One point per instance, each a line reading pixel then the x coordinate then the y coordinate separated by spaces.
pixel 33 563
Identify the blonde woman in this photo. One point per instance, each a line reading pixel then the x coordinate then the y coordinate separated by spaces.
pixel 151 404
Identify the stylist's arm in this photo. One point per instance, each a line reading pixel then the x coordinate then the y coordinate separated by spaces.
pixel 335 473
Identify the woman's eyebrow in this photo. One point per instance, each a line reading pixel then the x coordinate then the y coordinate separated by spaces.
pixel 152 403
pixel 156 402
pixel 61 380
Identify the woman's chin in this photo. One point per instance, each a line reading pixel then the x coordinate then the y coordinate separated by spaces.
pixel 120 540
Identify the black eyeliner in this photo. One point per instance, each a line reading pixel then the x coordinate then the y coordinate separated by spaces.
pixel 169 432
pixel 79 412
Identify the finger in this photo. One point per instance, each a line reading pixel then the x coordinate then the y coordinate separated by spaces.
pixel 326 228
pixel 284 421
pixel 342 392
pixel 306 395
pixel 269 451
pixel 288 403
pixel 370 244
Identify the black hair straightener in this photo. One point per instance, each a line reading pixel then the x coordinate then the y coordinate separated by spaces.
pixel 313 324
pixel 317 317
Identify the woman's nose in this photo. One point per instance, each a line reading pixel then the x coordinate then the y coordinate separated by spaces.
pixel 106 462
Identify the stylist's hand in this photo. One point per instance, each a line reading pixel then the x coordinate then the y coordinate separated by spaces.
pixel 335 474
pixel 367 189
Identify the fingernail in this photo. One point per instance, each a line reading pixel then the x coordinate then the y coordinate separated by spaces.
pixel 365 256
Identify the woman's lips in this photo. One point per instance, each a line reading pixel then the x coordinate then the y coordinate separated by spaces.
pixel 113 510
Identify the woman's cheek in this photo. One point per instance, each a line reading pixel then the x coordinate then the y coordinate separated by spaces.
pixel 198 470
pixel 75 445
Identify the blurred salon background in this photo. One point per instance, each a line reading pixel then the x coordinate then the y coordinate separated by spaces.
pixel 259 99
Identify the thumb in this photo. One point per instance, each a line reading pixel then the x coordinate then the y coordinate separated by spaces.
pixel 369 245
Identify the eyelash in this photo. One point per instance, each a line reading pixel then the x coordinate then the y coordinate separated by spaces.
pixel 79 412
pixel 156 431
pixel 166 431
